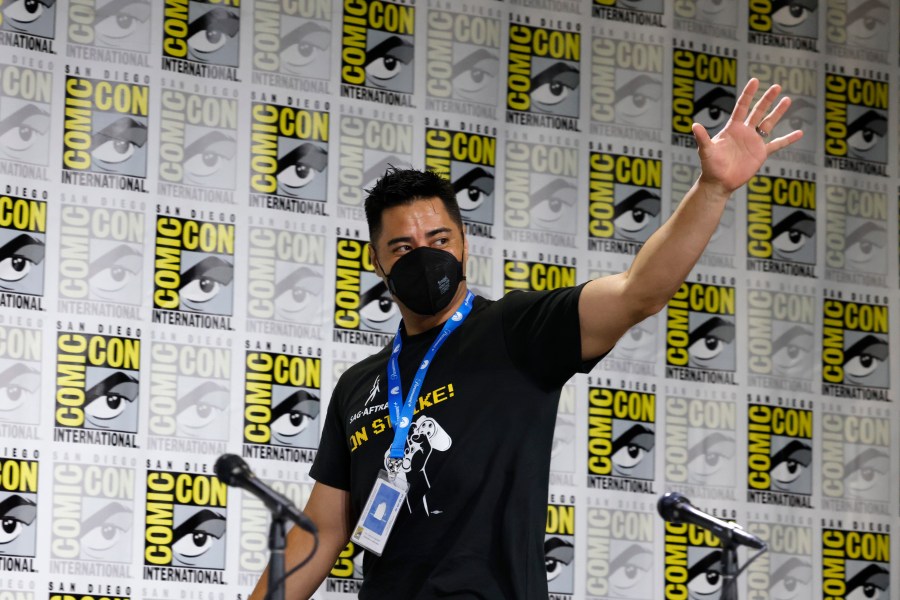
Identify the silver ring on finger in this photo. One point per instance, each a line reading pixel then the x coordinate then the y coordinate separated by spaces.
pixel 762 134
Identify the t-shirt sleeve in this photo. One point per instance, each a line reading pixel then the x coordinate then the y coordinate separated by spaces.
pixel 332 463
pixel 543 334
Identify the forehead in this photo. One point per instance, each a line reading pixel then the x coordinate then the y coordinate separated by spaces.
pixel 417 217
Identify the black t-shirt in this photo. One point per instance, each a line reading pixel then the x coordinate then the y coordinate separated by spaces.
pixel 478 450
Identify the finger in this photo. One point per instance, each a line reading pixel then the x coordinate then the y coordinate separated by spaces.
pixel 746 97
pixel 772 119
pixel 762 106
pixel 784 141
pixel 700 135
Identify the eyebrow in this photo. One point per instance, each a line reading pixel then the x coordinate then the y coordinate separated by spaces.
pixel 430 234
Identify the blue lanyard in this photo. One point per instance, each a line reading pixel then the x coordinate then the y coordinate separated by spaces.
pixel 402 412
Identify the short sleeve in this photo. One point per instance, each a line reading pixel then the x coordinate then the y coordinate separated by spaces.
pixel 543 334
pixel 332 463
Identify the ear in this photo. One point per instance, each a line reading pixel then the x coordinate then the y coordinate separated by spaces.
pixel 465 255
pixel 373 258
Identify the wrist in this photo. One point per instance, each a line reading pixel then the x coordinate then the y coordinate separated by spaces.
pixel 714 190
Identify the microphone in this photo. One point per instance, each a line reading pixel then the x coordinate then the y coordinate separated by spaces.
pixel 675 508
pixel 234 472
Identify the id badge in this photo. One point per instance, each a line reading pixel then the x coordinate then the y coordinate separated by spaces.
pixel 381 511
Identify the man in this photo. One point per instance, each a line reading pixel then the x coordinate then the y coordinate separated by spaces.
pixel 476 454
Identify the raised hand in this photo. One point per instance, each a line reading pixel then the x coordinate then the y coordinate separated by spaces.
pixel 735 154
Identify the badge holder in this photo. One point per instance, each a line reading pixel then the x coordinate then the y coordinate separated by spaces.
pixel 380 513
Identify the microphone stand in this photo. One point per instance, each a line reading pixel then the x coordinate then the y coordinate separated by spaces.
pixel 277 544
pixel 729 568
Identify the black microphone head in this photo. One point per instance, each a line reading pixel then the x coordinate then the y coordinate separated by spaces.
pixel 669 504
pixel 231 469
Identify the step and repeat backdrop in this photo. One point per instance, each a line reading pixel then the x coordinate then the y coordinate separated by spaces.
pixel 184 272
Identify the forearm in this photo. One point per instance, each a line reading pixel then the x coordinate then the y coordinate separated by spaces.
pixel 306 581
pixel 668 256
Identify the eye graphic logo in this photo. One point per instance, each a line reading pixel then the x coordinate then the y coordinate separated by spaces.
pixel 781 337
pixel 855 350
pixel 294 41
pixel 105 134
pixel 624 203
pixel 23 228
pixel 194 269
pixel 18 511
pixel 780 453
pixel 621 439
pixel 701 446
pixel 468 161
pixel 619 554
pixel 693 563
pixel 28 24
pixel 198 141
pixel 289 158
pixel 703 92
pixel 856 462
pixel 859 25
pixel 20 379
pixel 856 124
pixel 25 99
pixel 785 24
pixel 701 334
pixel 856 564
pixel 122 25
pixel 544 77
pixel 643 12
pixel 378 51
pixel 559 548
pixel 781 225
pixel 364 309
pixel 201 38
pixel 856 234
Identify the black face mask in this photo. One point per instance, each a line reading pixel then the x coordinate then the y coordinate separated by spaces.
pixel 425 279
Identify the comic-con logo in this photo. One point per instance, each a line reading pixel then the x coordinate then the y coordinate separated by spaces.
pixel 18 511
pixel 703 91
pixel 190 391
pixel 626 84
pixel 184 527
pixel 292 45
pixel 784 25
pixel 286 276
pixel 105 133
pixel 289 158
pixel 781 225
pixel 856 235
pixel 364 310
pixel 700 334
pixel 25 99
pixel 20 381
pixel 107 29
pixel 621 439
pixel 856 462
pixel 202 38
pixel 856 564
pixel 377 51
pixel 193 273
pixel 701 447
pixel 468 160
pixel 779 455
pixel 346 576
pixel 368 148
pixel 788 573
pixel 93 514
pixel 535 275
pixel 544 77
pixel 540 195
pixel 694 562
pixel 101 258
pixel 23 233
pixel 861 26
pixel 97 388
pixel 197 146
pixel 625 201
pixel 628 11
pixel 781 329
pixel 463 68
pixel 855 350
pixel 856 124
pixel 282 401
pixel 28 24
pixel 559 550
pixel 619 554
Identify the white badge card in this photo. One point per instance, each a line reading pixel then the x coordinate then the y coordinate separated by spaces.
pixel 382 507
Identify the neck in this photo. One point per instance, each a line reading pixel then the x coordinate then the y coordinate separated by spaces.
pixel 416 323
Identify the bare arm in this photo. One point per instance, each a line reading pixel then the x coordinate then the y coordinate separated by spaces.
pixel 611 305
pixel 329 509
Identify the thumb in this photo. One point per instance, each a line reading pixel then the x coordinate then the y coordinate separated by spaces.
pixel 700 135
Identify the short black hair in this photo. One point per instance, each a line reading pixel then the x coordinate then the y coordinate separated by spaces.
pixel 404 186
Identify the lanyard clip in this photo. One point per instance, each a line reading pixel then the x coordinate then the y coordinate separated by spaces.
pixel 394 466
